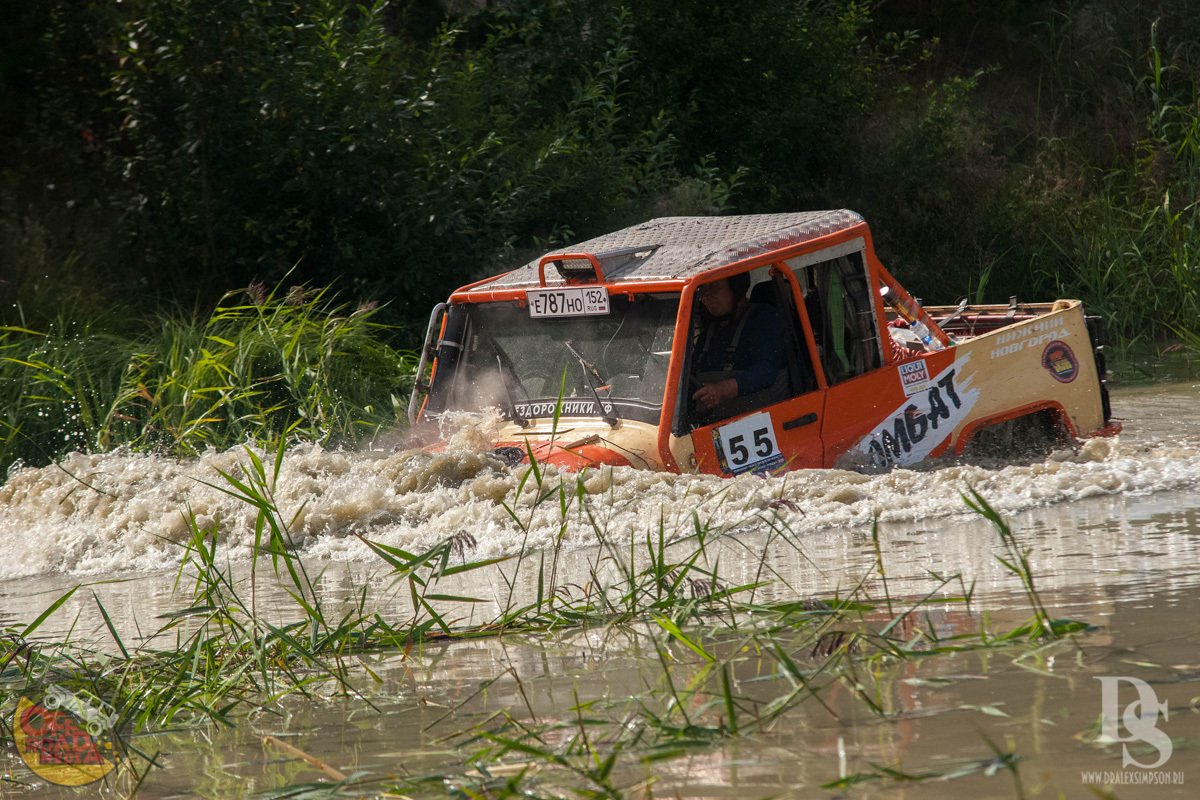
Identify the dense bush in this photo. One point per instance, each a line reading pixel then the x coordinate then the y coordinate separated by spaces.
pixel 236 140
pixel 1132 245
pixel 1057 158
pixel 212 143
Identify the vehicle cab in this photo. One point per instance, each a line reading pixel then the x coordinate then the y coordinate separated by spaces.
pixel 592 353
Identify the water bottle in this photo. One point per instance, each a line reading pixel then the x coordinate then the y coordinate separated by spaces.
pixel 912 314
pixel 930 341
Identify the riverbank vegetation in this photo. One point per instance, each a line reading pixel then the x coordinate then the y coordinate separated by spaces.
pixel 161 154
pixel 265 366
pixel 719 661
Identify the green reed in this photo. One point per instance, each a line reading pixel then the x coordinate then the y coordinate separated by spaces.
pixel 1131 250
pixel 263 365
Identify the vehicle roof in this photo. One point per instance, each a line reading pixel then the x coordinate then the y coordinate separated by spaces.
pixel 682 247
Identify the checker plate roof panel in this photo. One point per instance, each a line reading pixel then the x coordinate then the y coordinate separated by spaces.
pixel 682 247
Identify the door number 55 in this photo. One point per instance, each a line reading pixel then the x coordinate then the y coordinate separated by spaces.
pixel 749 442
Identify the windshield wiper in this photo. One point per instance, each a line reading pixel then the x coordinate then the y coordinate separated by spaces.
pixel 587 376
pixel 517 417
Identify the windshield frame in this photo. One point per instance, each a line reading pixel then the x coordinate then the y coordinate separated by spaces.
pixel 624 359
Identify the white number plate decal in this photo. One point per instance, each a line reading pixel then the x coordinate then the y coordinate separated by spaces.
pixel 750 444
pixel 573 302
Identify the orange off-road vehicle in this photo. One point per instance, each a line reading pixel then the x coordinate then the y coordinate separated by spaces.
pixel 592 354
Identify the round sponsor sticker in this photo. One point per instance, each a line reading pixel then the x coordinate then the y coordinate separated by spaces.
pixel 58 747
pixel 1060 361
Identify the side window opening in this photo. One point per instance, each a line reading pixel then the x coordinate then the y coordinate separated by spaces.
pixel 713 348
pixel 777 291
pixel 840 308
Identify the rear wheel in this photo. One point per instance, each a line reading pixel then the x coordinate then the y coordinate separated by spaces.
pixel 1034 435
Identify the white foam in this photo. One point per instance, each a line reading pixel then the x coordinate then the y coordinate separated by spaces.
pixel 132 517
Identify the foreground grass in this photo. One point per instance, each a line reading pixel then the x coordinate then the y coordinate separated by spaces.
pixel 262 366
pixel 219 659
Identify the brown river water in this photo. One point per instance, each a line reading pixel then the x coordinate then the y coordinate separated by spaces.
pixel 1113 528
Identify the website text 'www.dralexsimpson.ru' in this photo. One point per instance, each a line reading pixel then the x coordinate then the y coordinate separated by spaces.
pixel 1133 777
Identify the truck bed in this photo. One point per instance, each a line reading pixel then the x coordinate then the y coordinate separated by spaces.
pixel 966 322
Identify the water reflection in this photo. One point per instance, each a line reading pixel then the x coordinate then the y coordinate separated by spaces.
pixel 938 711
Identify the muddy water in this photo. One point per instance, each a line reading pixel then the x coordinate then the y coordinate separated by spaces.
pixel 1114 532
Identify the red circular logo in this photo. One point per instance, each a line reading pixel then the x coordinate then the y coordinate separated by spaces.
pixel 57 745
pixel 1058 359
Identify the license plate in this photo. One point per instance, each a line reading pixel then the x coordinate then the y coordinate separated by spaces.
pixel 573 302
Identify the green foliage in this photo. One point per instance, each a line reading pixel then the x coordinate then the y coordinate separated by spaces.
pixel 244 138
pixel 768 87
pixel 233 140
pixel 164 150
pixel 1132 250
pixel 1085 187
pixel 288 366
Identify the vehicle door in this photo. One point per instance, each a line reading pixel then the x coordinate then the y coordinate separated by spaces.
pixel 782 430
pixel 876 412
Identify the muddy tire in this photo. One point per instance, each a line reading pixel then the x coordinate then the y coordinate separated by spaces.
pixel 1034 435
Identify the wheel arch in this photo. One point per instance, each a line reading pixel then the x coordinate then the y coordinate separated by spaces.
pixel 1048 408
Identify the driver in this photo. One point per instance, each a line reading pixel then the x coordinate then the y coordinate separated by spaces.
pixel 740 351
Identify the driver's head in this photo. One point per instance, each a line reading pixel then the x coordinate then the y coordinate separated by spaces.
pixel 721 297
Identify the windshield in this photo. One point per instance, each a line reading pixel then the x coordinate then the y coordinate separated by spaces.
pixel 521 364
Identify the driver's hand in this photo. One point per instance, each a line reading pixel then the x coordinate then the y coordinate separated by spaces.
pixel 710 394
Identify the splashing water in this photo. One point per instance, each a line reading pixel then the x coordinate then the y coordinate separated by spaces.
pixel 130 513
